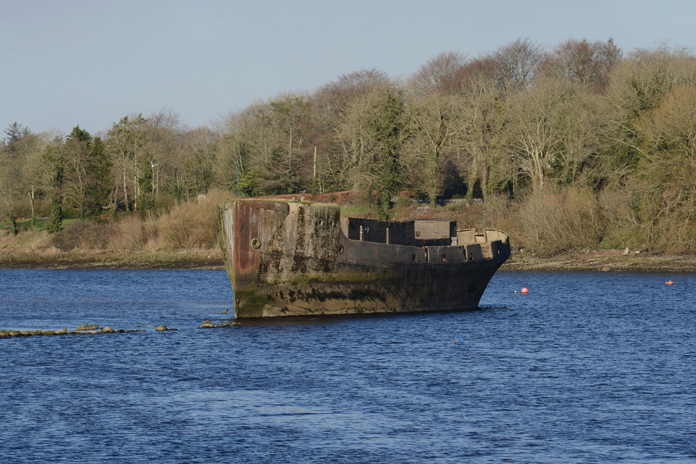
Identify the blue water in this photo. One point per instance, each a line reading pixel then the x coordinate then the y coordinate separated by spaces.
pixel 587 367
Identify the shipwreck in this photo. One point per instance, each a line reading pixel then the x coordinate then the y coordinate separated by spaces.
pixel 287 258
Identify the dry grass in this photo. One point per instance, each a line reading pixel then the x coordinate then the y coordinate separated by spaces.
pixel 188 226
pixel 192 225
pixel 550 223
pixel 554 221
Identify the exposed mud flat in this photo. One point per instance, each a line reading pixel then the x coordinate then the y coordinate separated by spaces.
pixel 580 260
pixel 602 260
pixel 197 259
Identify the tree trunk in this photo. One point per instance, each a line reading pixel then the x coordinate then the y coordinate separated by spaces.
pixel 432 181
pixel 32 200
pixel 125 191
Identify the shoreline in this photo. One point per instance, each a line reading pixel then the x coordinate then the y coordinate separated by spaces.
pixel 603 261
pixel 196 259
pixel 584 261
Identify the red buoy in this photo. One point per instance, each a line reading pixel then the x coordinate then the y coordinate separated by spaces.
pixel 669 282
pixel 524 290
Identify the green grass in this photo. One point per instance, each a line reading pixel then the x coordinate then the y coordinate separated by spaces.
pixel 353 210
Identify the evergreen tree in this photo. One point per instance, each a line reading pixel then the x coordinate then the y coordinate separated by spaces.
pixel 99 169
pixel 387 128
pixel 13 220
pixel 54 157
pixel 15 132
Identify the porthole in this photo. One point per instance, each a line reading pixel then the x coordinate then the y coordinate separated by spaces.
pixel 340 249
pixel 255 243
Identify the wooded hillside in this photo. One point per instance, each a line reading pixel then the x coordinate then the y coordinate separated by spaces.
pixel 578 146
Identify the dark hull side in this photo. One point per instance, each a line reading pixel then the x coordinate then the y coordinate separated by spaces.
pixel 294 259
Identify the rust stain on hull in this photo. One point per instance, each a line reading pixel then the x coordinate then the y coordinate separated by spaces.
pixel 295 259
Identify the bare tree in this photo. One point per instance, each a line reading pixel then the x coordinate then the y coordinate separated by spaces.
pixel 517 64
pixel 548 127
pixel 664 181
pixel 330 108
pixel 126 144
pixel 440 74
pixel 638 84
pixel 482 119
pixel 436 131
pixel 588 63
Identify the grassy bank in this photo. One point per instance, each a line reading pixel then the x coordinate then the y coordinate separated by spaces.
pixel 545 237
pixel 184 236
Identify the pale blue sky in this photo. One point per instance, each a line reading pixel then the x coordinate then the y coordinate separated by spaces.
pixel 91 62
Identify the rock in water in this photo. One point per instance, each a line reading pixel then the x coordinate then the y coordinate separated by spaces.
pixel 161 328
pixel 206 325
pixel 84 327
pixel 108 330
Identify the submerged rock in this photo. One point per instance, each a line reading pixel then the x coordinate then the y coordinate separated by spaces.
pixel 88 327
pixel 209 325
pixel 229 324
pixel 162 328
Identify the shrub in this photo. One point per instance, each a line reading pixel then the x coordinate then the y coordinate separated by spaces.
pixel 553 221
pixel 193 224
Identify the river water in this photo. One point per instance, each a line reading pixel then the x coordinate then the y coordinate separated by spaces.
pixel 587 367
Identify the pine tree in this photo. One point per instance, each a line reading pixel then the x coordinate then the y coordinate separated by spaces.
pixel 99 169
pixel 55 223
pixel 387 128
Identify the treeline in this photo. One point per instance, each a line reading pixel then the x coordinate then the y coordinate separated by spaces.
pixel 581 145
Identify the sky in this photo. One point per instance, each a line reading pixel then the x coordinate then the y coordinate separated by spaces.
pixel 90 63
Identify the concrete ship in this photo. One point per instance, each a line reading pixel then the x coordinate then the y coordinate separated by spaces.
pixel 289 258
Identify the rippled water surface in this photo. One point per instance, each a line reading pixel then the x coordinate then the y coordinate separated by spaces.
pixel 587 367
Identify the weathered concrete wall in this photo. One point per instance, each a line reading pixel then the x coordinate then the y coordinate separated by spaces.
pixel 435 230
pixel 409 233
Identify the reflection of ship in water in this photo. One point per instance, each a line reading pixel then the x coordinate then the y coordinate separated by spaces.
pixel 299 258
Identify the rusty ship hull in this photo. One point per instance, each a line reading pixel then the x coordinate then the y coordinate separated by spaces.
pixel 302 259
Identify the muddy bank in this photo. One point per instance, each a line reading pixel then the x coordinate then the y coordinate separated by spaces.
pixel 581 260
pixel 602 260
pixel 205 259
